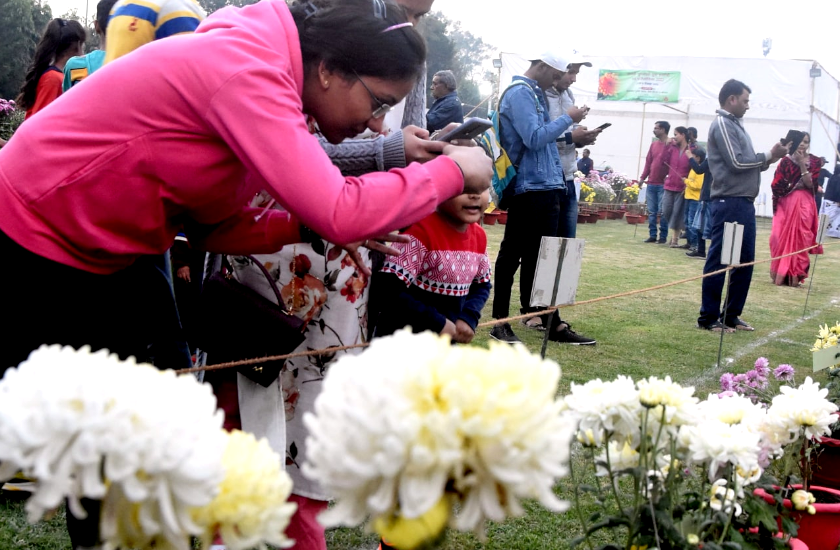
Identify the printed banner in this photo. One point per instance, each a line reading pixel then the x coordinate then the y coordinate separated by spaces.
pixel 649 86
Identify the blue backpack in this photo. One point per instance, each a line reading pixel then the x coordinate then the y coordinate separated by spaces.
pixel 504 170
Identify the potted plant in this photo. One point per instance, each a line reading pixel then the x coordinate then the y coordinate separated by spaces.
pixel 803 416
pixel 678 472
pixel 825 468
pixel 490 218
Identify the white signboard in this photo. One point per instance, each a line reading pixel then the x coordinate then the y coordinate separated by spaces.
pixel 733 235
pixel 558 272
pixel 826 357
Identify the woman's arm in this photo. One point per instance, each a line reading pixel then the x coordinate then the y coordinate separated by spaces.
pixel 258 113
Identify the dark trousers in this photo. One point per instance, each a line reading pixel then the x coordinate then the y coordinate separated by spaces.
pixel 124 312
pixel 741 210
pixel 531 216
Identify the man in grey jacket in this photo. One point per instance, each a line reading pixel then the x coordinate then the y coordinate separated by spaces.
pixel 736 169
pixel 560 100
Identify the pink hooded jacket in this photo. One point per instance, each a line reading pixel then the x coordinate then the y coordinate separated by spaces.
pixel 184 132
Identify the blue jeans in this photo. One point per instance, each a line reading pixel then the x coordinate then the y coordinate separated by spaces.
pixel 567 226
pixel 654 194
pixel 691 208
pixel 731 209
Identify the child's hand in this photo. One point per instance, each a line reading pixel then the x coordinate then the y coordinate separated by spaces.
pixel 464 332
pixel 449 329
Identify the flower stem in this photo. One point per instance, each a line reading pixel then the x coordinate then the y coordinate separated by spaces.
pixel 577 503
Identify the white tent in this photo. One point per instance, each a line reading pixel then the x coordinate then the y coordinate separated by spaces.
pixel 785 96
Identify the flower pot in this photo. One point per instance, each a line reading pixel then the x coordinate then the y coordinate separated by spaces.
pixel 490 218
pixel 825 468
pixel 615 214
pixel 583 218
pixel 592 218
pixel 502 216
pixel 634 218
pixel 822 530
pixel 602 214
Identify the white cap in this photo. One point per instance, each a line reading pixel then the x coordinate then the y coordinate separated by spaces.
pixel 561 60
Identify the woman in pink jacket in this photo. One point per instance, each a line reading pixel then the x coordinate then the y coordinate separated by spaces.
pixel 181 134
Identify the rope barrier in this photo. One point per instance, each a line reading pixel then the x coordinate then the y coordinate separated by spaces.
pixel 258 360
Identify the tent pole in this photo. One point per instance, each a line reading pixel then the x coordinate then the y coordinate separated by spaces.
pixel 641 140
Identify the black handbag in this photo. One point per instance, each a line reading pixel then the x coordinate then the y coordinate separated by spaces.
pixel 237 322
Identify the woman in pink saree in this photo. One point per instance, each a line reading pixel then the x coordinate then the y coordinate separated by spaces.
pixel 794 216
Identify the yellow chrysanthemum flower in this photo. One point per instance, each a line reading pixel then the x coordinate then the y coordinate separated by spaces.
pixel 408 534
pixel 251 508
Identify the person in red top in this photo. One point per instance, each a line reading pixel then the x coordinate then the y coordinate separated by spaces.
pixel 676 158
pixel 655 172
pixel 795 221
pixel 62 40
pixel 441 279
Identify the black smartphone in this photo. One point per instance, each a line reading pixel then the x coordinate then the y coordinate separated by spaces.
pixel 471 128
pixel 604 126
pixel 794 138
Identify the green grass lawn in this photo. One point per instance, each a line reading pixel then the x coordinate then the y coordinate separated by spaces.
pixel 648 334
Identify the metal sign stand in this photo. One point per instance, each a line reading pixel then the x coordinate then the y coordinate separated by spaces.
pixel 733 236
pixel 556 284
pixel 823 224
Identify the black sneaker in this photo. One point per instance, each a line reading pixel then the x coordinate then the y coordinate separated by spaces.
pixel 650 240
pixel 694 253
pixel 662 241
pixel 685 246
pixel 503 333
pixel 568 336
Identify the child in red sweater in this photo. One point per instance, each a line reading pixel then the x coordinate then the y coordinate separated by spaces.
pixel 441 279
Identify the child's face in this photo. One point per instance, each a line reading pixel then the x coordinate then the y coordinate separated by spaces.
pixel 697 159
pixel 466 208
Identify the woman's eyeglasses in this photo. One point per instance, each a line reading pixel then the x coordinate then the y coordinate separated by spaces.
pixel 383 108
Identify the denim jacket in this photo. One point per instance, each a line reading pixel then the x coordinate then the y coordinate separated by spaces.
pixel 528 133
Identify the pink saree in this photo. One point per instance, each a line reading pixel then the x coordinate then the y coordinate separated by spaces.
pixel 794 228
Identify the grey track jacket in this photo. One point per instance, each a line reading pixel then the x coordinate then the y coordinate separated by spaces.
pixel 735 166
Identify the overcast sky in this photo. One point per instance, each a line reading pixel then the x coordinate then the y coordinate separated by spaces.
pixel 806 29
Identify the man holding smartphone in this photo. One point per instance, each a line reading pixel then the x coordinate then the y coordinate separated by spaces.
pixel 538 197
pixel 736 169
pixel 560 100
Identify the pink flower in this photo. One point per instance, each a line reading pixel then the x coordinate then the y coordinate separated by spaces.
pixel 762 365
pixel 740 380
pixel 727 382
pixel 784 373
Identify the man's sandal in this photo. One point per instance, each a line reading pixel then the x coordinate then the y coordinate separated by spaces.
pixel 716 327
pixel 738 324
pixel 535 322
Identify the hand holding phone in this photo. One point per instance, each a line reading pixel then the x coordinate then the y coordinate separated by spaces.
pixel 470 129
pixel 793 139
pixel 604 126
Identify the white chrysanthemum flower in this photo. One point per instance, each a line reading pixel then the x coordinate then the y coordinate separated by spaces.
pixel 251 508
pixel 89 425
pixel 732 409
pixel 718 443
pixel 805 408
pixel 621 457
pixel 723 499
pixel 606 406
pixel 397 423
pixel 670 404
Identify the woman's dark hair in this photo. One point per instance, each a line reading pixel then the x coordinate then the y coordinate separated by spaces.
pixel 682 130
pixel 700 153
pixel 692 133
pixel 350 35
pixel 103 13
pixel 59 36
